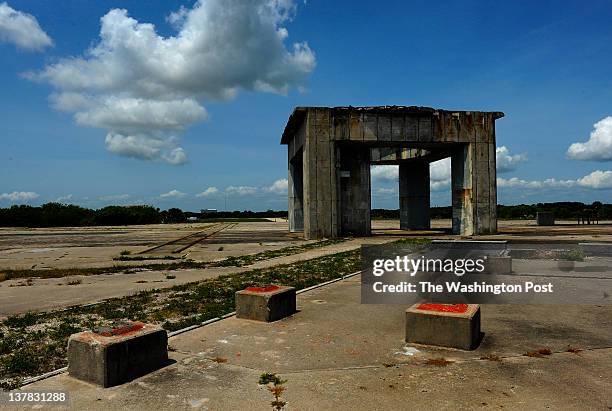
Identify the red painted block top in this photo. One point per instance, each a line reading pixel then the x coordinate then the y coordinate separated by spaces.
pixel 265 289
pixel 126 329
pixel 446 308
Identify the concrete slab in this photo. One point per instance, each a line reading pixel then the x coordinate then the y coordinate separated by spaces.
pixel 339 354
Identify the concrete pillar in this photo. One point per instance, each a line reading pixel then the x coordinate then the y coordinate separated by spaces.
pixel 296 193
pixel 319 177
pixel 462 193
pixel 474 189
pixel 414 195
pixel 355 201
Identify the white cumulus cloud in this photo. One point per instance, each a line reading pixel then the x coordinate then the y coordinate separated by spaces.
pixel 507 162
pixel 599 145
pixel 145 89
pixel 22 29
pixel 173 194
pixel 210 191
pixel 439 174
pixel 278 187
pixel 19 196
pixel 596 180
pixel 385 173
pixel 64 199
pixel 241 190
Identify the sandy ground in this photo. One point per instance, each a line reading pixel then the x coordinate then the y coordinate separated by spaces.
pixel 338 354
pixel 97 246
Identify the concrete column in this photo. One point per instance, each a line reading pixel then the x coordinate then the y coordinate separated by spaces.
pixel 462 193
pixel 355 191
pixel 296 193
pixel 319 177
pixel 414 195
pixel 474 189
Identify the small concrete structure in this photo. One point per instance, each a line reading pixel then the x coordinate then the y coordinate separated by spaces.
pixel 545 218
pixel 113 356
pixel 331 149
pixel 445 325
pixel 266 304
pixel 596 249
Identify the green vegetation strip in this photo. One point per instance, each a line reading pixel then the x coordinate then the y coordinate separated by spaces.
pixel 35 343
pixel 180 264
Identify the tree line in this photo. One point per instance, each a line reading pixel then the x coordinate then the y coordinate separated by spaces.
pixel 68 215
pixel 561 211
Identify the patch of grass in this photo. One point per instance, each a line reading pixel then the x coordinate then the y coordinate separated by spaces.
pixel 170 277
pixel 572 255
pixel 21 321
pixel 220 249
pixel 249 259
pixel 125 252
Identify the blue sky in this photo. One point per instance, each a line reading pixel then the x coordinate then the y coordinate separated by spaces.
pixel 88 130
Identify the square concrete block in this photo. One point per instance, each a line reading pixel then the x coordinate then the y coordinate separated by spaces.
pixel 596 249
pixel 498 265
pixel 545 218
pixel 113 356
pixel 445 325
pixel 267 304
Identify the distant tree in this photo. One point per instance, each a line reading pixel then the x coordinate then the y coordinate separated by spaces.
pixel 175 215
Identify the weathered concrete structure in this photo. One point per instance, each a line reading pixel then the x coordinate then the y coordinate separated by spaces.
pixel 113 356
pixel 444 325
pixel 270 303
pixel 331 150
pixel 545 218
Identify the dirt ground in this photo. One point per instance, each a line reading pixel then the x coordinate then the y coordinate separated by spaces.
pixel 41 248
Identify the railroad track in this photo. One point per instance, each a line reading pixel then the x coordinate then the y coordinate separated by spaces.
pixel 181 244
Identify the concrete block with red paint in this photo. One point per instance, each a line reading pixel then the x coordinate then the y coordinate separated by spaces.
pixel 110 356
pixel 445 325
pixel 267 304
